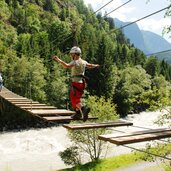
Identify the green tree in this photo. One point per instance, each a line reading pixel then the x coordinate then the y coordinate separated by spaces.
pixel 102 79
pixel 87 140
pixel 133 82
pixel 152 66
pixel 58 88
pixel 37 80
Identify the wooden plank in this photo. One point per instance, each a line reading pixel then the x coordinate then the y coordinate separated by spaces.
pixel 64 118
pixel 138 137
pixel 30 104
pixel 106 137
pixel 16 98
pixel 20 100
pixel 97 125
pixel 52 112
pixel 38 107
pixel 26 102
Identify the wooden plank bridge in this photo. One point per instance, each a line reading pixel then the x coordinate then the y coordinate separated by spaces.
pixel 52 114
pixel 46 112
pixel 138 136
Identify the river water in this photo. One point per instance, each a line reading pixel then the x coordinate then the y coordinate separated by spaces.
pixel 37 149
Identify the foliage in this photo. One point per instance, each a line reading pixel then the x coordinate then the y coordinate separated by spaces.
pixel 70 156
pixel 57 89
pixel 133 82
pixel 152 66
pixel 165 118
pixel 159 149
pixel 158 96
pixel 105 110
pixel 32 31
pixel 87 140
pixel 123 161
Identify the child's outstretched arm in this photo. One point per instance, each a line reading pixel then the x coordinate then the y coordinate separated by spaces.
pixel 64 64
pixel 88 65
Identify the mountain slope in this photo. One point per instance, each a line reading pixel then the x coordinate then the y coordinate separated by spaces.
pixel 155 43
pixel 148 42
pixel 133 33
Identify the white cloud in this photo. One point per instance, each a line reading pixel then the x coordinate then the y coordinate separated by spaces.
pixel 155 25
pixel 120 13
pixel 128 13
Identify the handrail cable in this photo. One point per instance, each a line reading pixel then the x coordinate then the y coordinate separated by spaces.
pixel 158 52
pixel 102 7
pixel 117 8
pixel 145 17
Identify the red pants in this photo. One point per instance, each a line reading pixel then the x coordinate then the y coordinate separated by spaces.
pixel 76 92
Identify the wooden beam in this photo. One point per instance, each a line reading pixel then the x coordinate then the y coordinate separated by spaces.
pixel 20 100
pixel 106 137
pixel 97 125
pixel 15 98
pixel 25 102
pixel 139 136
pixel 52 112
pixel 30 104
pixel 38 107
pixel 64 118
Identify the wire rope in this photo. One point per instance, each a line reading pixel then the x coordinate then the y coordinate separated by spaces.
pixel 157 155
pixel 158 52
pixel 145 17
pixel 117 8
pixel 102 7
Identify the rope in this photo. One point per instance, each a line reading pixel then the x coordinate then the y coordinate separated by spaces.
pixel 157 155
pixel 102 7
pixel 117 8
pixel 145 17
pixel 158 52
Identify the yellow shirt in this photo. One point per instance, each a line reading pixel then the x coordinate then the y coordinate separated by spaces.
pixel 78 69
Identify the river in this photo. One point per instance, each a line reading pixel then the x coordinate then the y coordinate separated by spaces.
pixel 37 149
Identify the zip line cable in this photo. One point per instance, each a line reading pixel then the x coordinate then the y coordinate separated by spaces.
pixel 158 52
pixel 145 17
pixel 117 8
pixel 102 7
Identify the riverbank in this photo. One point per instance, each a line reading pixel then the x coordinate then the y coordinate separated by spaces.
pixel 37 149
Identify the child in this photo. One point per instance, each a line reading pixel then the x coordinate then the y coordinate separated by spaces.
pixel 77 66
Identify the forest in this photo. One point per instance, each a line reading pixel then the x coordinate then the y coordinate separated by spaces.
pixel 31 31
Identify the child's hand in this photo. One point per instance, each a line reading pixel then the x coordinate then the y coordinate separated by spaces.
pixel 55 58
pixel 97 65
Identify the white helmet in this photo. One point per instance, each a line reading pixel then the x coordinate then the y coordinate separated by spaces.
pixel 76 50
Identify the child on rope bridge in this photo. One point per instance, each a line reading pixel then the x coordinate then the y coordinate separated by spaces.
pixel 77 66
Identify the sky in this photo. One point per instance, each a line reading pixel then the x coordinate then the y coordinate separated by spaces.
pixel 135 10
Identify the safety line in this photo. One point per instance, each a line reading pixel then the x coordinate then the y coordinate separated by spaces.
pixel 145 17
pixel 157 155
pixel 102 7
pixel 117 8
pixel 158 52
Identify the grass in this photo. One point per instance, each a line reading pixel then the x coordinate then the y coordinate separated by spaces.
pixel 108 164
pixel 121 161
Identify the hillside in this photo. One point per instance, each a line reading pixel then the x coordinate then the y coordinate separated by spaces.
pixel 155 43
pixel 33 31
pixel 133 33
pixel 147 41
